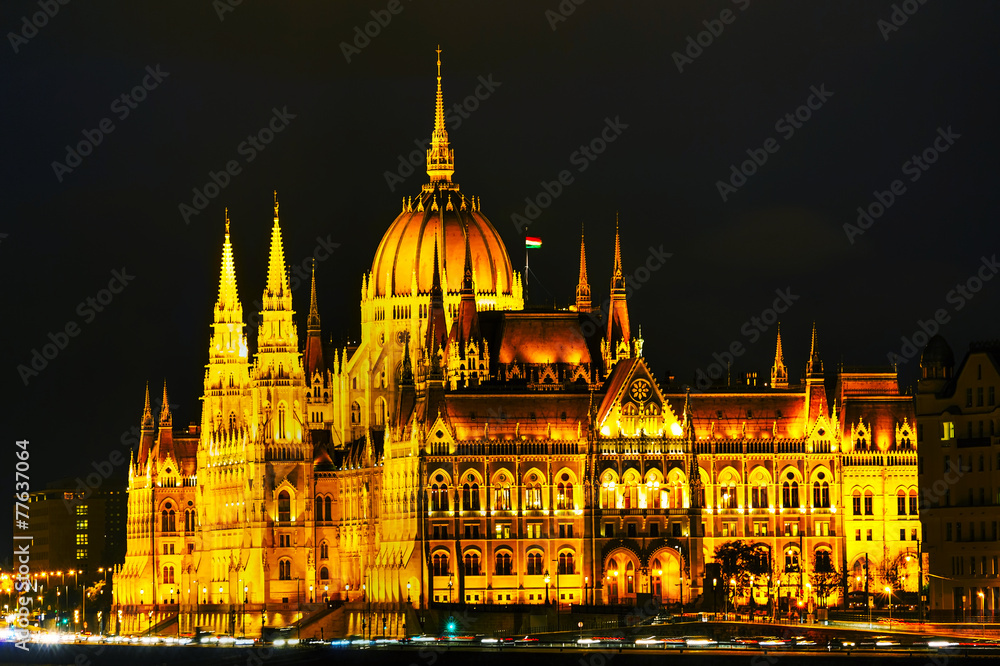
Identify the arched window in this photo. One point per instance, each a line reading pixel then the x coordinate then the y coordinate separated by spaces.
pixel 533 496
pixel 900 503
pixel 612 581
pixel 232 415
pixel 821 494
pixel 440 564
pixel 281 421
pixel 566 563
pixel 327 508
pixel 727 496
pixel 319 508
pixel 630 579
pixel 824 564
pixel 505 563
pixel 608 495
pixel 355 411
pixel 439 497
pixel 564 498
pixel 168 520
pixel 380 411
pixel 324 551
pixel 324 574
pixel 791 560
pixel 535 563
pixel 913 502
pixel 786 494
pixel 502 499
pixel 470 497
pixel 472 563
pixel 285 570
pixel 189 520
pixel 168 574
pixel 795 493
pixel 758 496
pixel 869 503
pixel 856 503
pixel 284 507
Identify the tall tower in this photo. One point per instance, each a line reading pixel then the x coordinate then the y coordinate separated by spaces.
pixel 582 288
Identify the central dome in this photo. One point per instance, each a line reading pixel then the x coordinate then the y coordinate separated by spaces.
pixel 407 248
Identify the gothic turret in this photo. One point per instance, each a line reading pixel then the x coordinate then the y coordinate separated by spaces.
pixel 618 343
pixel 314 341
pixel 440 156
pixel 779 372
pixel 815 386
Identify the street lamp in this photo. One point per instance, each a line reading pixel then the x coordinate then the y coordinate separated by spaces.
pixel 243 619
pixel 547 579
pixel 408 593
pixel 732 585
pixel 141 591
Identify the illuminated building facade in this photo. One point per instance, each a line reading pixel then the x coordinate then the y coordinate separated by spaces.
pixel 470 450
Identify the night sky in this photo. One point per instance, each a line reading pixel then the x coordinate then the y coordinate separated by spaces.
pixel 688 91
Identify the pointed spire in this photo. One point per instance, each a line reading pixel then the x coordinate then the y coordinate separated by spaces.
pixel 779 372
pixel 228 305
pixel 617 274
pixel 582 286
pixel 406 376
pixel 313 356
pixel 466 325
pixel 147 412
pixel 165 418
pixel 277 278
pixel 437 326
pixel 440 157
pixel 313 307
pixel 467 275
pixel 815 365
pixel 619 334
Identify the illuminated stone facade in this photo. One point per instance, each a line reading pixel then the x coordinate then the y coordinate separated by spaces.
pixel 468 450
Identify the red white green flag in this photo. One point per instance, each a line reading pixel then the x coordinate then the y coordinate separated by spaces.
pixel 532 242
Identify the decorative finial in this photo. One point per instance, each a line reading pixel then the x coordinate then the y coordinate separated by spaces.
pixel 276 204
pixel 227 221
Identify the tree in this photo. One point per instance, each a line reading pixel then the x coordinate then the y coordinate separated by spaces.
pixel 741 564
pixel 825 578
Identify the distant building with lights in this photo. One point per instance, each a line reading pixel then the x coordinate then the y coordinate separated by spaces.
pixel 76 530
pixel 957 416
pixel 469 450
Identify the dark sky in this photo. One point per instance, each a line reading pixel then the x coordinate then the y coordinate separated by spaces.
pixel 887 95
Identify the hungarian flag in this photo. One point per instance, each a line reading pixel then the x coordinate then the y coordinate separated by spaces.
pixel 532 242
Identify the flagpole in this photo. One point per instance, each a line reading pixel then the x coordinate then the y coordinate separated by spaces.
pixel 526 272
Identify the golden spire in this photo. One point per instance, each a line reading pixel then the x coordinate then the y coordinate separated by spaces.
pixel 277 279
pixel 440 157
pixel 165 407
pixel 147 412
pixel 313 323
pixel 228 309
pixel 815 365
pixel 618 253
pixel 779 373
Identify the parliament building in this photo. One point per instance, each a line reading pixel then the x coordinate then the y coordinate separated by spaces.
pixel 471 450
